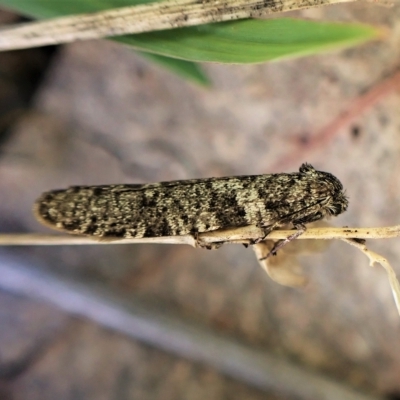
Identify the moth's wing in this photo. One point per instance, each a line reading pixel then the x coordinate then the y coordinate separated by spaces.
pixel 181 183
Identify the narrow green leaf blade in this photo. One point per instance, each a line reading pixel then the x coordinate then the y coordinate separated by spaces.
pixel 252 41
pixel 185 69
pixel 56 8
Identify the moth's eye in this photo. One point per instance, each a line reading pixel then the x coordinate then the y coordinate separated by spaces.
pixel 336 209
pixel 333 210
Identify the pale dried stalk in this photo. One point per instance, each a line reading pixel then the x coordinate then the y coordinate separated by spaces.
pixel 157 16
pixel 377 258
pixel 235 235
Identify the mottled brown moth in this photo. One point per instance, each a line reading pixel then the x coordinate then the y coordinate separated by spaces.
pixel 194 206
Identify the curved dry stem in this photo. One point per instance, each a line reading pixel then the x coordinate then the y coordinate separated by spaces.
pixel 243 235
pixel 377 258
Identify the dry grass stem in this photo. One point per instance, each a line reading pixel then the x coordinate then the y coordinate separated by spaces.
pixel 235 235
pixel 377 258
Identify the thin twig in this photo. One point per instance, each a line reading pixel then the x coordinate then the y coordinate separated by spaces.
pixel 235 235
pixel 156 16
pixel 377 258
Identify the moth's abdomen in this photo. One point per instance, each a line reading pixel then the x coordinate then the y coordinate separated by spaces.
pixel 122 213
pixel 83 210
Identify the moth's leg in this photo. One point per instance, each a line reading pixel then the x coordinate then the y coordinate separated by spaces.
pixel 208 246
pixel 280 243
pixel 266 231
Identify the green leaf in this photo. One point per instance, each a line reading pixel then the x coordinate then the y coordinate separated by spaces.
pixel 251 40
pixel 56 8
pixel 185 69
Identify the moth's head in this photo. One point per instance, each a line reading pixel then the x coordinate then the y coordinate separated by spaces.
pixel 329 190
pixel 338 203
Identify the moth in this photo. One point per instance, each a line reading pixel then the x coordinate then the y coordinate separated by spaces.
pixel 194 206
